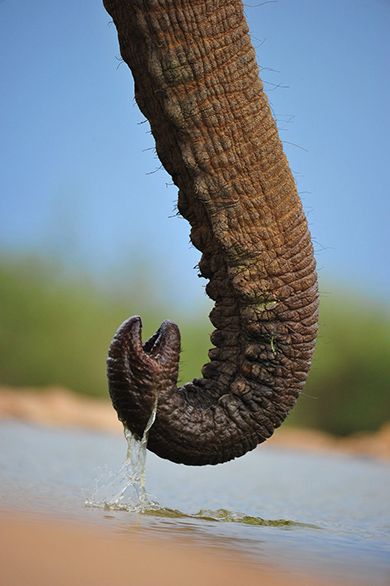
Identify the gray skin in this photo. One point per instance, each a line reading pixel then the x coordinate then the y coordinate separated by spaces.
pixel 197 82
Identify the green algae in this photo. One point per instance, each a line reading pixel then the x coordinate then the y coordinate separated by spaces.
pixel 224 516
pixel 266 305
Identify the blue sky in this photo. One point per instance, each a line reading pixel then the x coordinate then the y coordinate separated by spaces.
pixel 78 179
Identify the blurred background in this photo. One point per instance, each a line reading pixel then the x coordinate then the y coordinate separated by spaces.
pixel 89 231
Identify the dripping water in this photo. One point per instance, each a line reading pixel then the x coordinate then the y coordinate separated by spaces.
pixel 125 490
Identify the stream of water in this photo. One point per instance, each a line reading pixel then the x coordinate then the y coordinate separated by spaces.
pixel 323 513
pixel 126 489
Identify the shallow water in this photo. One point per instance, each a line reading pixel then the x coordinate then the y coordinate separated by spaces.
pixel 321 513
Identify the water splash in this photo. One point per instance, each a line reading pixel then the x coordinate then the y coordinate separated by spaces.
pixel 125 490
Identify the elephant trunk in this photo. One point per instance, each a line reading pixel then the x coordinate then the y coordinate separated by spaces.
pixel 197 82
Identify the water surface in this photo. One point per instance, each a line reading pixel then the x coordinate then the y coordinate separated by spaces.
pixel 323 513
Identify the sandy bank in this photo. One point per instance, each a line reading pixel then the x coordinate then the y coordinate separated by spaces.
pixel 60 407
pixel 45 552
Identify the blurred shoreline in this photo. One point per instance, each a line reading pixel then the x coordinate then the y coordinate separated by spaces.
pixel 56 406
pixel 90 555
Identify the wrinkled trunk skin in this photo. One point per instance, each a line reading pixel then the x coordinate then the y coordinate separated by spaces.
pixel 197 82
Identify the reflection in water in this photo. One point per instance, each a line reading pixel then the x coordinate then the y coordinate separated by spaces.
pixel 125 490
